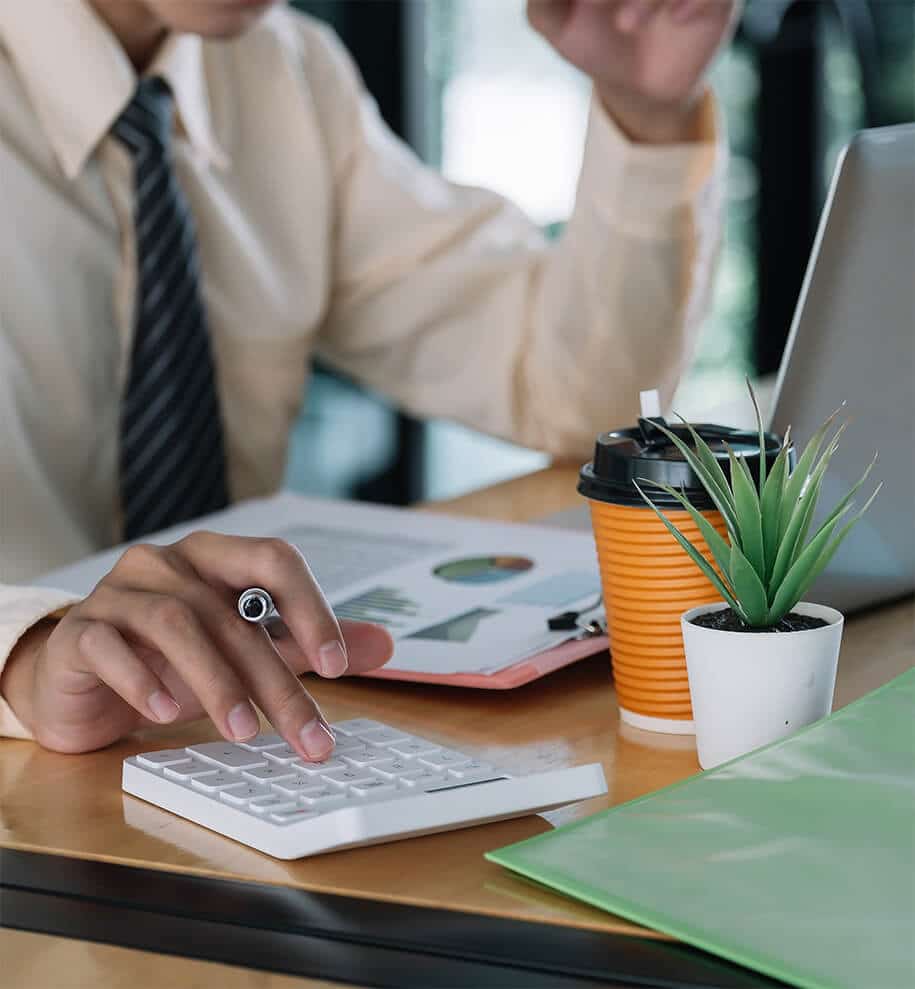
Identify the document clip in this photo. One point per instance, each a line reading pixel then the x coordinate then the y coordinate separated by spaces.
pixel 568 621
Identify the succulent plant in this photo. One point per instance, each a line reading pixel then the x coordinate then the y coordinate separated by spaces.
pixel 768 562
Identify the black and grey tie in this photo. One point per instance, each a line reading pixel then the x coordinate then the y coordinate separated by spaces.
pixel 172 463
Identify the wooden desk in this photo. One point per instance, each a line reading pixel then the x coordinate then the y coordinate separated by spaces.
pixel 72 807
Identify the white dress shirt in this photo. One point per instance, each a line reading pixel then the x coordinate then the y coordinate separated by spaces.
pixel 319 232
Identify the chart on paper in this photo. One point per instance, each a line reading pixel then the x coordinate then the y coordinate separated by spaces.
pixel 457 595
pixel 383 605
pixel 459 607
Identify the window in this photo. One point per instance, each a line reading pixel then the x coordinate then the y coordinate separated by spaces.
pixel 503 112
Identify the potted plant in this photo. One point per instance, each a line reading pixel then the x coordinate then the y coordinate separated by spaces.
pixel 762 662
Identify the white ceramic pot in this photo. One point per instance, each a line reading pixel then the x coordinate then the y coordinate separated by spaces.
pixel 752 688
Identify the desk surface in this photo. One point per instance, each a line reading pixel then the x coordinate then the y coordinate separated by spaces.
pixel 73 805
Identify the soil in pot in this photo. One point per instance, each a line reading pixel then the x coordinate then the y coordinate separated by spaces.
pixel 728 621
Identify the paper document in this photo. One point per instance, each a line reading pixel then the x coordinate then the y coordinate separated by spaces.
pixel 457 595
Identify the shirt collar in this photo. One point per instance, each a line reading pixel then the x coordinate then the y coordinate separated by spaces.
pixel 79 79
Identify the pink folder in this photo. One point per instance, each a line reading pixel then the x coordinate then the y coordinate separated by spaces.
pixel 513 676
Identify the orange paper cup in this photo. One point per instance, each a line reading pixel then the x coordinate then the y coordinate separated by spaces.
pixel 648 579
pixel 648 582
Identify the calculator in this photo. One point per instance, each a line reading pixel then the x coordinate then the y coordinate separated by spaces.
pixel 380 784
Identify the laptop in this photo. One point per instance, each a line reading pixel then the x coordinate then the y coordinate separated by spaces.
pixel 853 340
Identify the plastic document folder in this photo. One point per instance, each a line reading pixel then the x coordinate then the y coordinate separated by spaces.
pixel 797 860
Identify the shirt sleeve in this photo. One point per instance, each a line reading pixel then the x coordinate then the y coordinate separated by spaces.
pixel 20 609
pixel 451 301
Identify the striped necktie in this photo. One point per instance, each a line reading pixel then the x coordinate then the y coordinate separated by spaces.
pixel 172 461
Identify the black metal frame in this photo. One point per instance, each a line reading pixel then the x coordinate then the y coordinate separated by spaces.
pixel 369 943
pixel 789 157
pixel 788 38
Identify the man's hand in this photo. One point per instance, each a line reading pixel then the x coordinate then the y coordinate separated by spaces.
pixel 159 640
pixel 648 58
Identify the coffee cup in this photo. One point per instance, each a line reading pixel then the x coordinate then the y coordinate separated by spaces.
pixel 648 580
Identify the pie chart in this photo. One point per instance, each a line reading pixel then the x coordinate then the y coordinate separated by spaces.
pixel 483 569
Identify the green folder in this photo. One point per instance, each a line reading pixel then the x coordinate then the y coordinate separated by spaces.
pixel 797 860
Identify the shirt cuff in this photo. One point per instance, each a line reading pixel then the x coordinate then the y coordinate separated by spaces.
pixel 648 189
pixel 20 609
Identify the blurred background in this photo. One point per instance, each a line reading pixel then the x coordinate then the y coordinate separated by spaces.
pixel 477 94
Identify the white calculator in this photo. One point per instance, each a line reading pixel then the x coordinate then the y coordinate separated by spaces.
pixel 380 784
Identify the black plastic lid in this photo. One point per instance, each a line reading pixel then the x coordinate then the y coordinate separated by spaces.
pixel 627 455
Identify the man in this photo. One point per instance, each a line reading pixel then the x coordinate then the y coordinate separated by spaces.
pixel 197 194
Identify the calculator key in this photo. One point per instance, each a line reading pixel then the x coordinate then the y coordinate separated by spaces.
pixel 324 798
pixel 214 782
pixel 243 793
pixel 383 736
pixel 283 753
pixel 398 768
pixel 425 780
pixel 228 756
pixel 444 759
pixel 267 805
pixel 292 816
pixel 188 770
pixel 481 776
pixel 471 769
pixel 373 788
pixel 348 776
pixel 269 773
pixel 167 757
pixel 413 747
pixel 356 726
pixel 366 756
pixel 346 742
pixel 319 791
pixel 317 768
pixel 295 785
pixel 259 742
